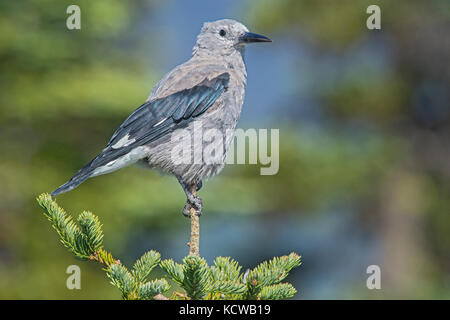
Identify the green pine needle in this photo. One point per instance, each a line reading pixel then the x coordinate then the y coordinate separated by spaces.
pixel 225 268
pixel 228 288
pixel 122 279
pixel 92 229
pixel 174 270
pixel 70 234
pixel 145 264
pixel 277 292
pixel 196 277
pixel 150 289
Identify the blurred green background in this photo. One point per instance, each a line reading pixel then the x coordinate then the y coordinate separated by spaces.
pixel 364 142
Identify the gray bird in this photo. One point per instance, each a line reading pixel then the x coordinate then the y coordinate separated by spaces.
pixel 208 89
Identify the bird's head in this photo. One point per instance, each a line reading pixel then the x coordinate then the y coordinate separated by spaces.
pixel 225 37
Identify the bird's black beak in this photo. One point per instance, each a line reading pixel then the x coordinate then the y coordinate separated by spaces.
pixel 249 37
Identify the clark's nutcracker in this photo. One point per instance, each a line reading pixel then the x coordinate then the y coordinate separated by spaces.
pixel 209 88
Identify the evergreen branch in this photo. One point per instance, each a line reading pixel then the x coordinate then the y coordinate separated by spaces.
pixel 225 268
pixel 274 271
pixel 196 277
pixel 145 264
pixel 286 263
pixel 221 281
pixel 122 279
pixel 174 270
pixel 70 234
pixel 92 229
pixel 270 273
pixel 150 289
pixel 104 257
pixel 226 279
pixel 277 292
pixel 228 288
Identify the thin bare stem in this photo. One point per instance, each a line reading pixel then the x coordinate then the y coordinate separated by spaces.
pixel 194 243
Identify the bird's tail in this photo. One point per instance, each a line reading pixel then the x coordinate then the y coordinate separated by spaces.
pixel 75 181
pixel 99 165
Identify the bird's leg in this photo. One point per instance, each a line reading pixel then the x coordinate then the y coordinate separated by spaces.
pixel 193 201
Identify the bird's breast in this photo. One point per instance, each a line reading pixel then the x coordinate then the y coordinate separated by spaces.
pixel 234 96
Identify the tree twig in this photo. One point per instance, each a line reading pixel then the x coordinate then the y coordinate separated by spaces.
pixel 160 297
pixel 194 243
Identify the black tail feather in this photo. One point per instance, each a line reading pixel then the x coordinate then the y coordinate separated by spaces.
pixel 107 155
pixel 69 185
pixel 79 177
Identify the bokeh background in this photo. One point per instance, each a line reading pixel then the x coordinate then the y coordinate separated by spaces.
pixel 364 142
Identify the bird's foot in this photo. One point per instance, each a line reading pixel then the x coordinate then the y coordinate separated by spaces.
pixel 196 203
pixel 187 210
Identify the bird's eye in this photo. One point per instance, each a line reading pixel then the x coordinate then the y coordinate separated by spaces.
pixel 222 33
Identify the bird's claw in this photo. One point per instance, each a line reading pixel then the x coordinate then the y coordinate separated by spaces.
pixel 195 203
pixel 186 210
pixel 198 204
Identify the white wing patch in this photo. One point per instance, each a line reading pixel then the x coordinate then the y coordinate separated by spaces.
pixel 123 142
pixel 123 161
